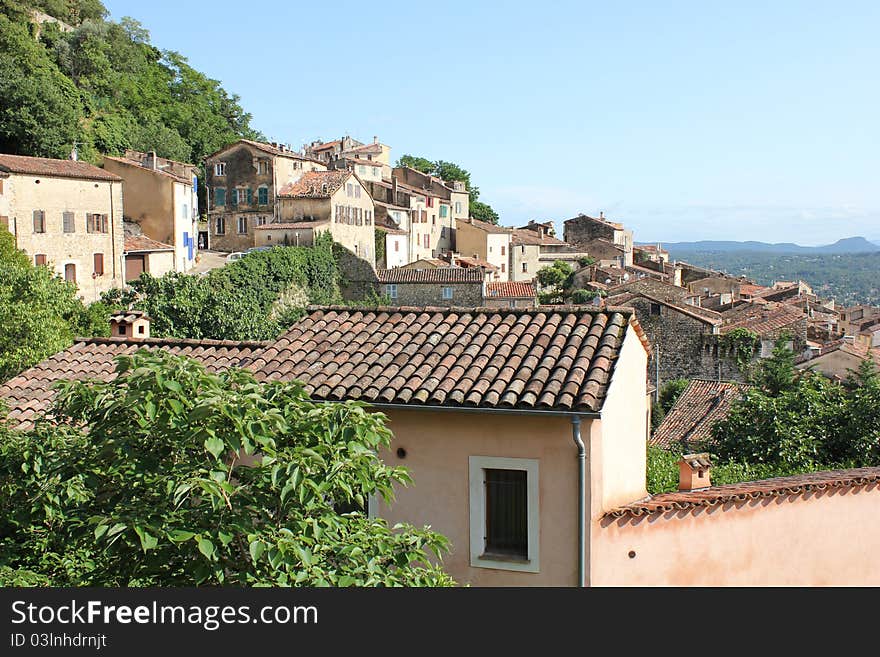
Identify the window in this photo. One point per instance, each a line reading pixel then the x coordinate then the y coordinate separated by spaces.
pixel 68 221
pixel 349 190
pixel 357 191
pixel 262 167
pixel 242 225
pixel 525 266
pixel 362 169
pixel 220 169
pixel 243 196
pixel 261 221
pixel 430 201
pixel 70 273
pixel 99 264
pixel 655 308
pixel 391 291
pixel 503 250
pixel 40 259
pixel 443 210
pixel 263 196
pixel 424 216
pixel 458 207
pixel 396 246
pixel 446 292
pixel 219 196
pixel 503 268
pixel 504 519
pixel 426 237
pixel 324 188
pixel 39 221
pixel 1 188
pixel 220 226
pixel 96 223
pixel 185 211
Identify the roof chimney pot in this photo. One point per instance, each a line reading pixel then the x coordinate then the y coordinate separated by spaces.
pixel 130 325
pixel 693 472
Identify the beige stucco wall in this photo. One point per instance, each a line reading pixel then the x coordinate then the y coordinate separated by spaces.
pixel 294 236
pixel 524 253
pixel 58 195
pixel 159 263
pixel 469 240
pixel 438 445
pixel 827 538
pixel 419 229
pixel 396 250
pixel 498 253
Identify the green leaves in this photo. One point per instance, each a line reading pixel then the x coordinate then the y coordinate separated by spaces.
pixel 215 446
pixel 206 547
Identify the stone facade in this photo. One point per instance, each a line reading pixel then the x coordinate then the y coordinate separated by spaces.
pixel 243 181
pixel 583 228
pixel 444 286
pixel 77 230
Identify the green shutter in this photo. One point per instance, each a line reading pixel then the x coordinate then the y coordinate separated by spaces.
pixel 263 196
pixel 219 196
pixel 250 196
pixel 442 210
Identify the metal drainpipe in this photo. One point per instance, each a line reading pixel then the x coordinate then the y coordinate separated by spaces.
pixel 582 501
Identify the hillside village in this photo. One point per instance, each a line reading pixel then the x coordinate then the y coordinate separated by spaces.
pixel 525 374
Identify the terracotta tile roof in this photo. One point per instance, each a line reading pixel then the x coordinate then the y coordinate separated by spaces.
pixel 42 166
pixel 144 243
pixel 484 225
pixel 511 290
pixel 536 359
pixel 468 261
pixel 761 318
pixel 750 290
pixel 31 391
pixel 266 148
pixel 443 274
pixel 651 248
pixel 737 494
pixel 369 163
pixel 704 315
pixel 326 145
pixel 158 172
pixel 598 220
pixel 293 225
pixel 699 407
pixel 533 237
pixel 431 263
pixel 316 184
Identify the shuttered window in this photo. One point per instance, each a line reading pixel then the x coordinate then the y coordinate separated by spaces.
pixel 69 222
pixel 40 259
pixel 96 223
pixel 70 273
pixel 507 513
pixel 220 196
pixel 99 264
pixel 249 195
pixel 39 221
pixel 263 196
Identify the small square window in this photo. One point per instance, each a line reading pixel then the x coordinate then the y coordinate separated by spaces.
pixel 447 292
pixel 220 169
pixel 391 291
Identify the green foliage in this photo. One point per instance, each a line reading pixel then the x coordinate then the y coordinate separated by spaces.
pixel 662 473
pixel 171 476
pixel 555 280
pixel 40 313
pixel 669 394
pixel 586 261
pixel 418 163
pixel 803 421
pixel 483 212
pixel 777 373
pixel 741 344
pixel 379 239
pixel 254 298
pixel 582 296
pixel 104 86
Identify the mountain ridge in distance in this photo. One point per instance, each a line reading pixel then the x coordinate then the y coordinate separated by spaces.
pixel 846 245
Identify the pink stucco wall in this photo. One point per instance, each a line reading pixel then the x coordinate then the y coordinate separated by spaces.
pixel 824 538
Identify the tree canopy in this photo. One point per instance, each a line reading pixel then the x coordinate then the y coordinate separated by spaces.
pixel 40 313
pixel 172 476
pixel 104 87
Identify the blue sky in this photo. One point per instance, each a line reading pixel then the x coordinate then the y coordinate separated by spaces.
pixel 685 120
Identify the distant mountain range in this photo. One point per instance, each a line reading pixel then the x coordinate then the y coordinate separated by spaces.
pixel 847 245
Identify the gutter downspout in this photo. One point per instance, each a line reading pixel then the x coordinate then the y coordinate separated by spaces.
pixel 582 502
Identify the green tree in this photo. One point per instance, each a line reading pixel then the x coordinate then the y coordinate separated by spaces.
pixel 171 476
pixel 418 163
pixel 777 373
pixel 40 313
pixel 483 212
pixel 669 394
pixel 555 281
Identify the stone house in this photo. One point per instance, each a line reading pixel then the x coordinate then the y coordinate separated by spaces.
pixel 688 424
pixel 480 239
pixel 243 180
pixel 512 294
pixel 65 214
pixel 417 211
pixel 371 162
pixel 533 247
pixel 161 197
pixel 650 253
pixel 443 286
pixel 583 228
pixel 332 201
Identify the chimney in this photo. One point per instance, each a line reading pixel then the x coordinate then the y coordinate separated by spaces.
pixel 451 259
pixel 130 325
pixel 375 139
pixel 601 215
pixel 154 165
pixel 693 472
pixel 394 190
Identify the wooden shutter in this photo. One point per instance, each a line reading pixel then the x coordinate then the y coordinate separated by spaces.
pixel 40 259
pixel 99 264
pixel 103 223
pixel 39 221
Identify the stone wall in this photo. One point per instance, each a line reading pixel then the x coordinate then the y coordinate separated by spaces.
pixel 431 294
pixel 358 276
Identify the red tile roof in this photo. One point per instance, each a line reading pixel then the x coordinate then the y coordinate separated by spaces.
pixel 533 237
pixel 437 275
pixel 699 407
pixel 159 172
pixel 31 391
pixel 316 184
pixel 468 261
pixel 761 318
pixel 559 359
pixel 511 290
pixel 143 243
pixel 266 148
pixel 745 492
pixel 41 166
pixel 369 163
pixel 484 225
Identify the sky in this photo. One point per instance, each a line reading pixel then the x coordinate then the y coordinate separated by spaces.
pixel 683 120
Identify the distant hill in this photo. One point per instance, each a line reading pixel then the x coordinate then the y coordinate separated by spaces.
pixel 847 245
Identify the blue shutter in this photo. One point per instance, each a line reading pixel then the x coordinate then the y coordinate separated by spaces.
pixel 219 196
pixel 250 196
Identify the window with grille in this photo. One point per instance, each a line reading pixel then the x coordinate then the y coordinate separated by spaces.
pixel 504 513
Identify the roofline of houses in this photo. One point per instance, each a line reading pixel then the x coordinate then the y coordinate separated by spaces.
pixel 487 409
